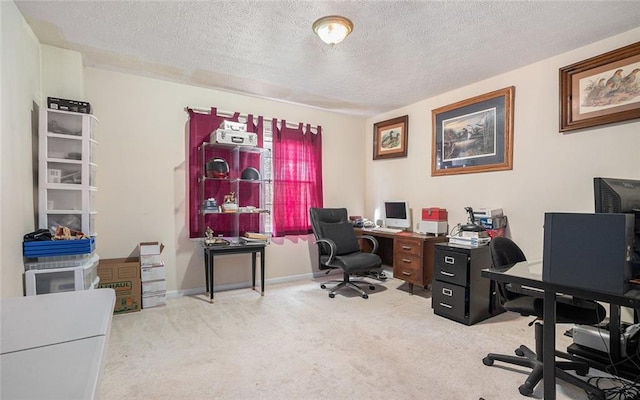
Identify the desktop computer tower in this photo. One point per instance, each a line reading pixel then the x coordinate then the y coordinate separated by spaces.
pixel 588 251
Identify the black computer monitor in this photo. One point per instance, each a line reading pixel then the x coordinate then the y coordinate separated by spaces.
pixel 615 195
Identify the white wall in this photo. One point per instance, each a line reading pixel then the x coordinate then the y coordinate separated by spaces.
pixel 551 171
pixel 20 88
pixel 142 135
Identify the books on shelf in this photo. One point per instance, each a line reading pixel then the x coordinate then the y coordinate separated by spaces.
pixel 469 241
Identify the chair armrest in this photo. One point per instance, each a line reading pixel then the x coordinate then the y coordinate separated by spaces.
pixel 332 246
pixel 372 239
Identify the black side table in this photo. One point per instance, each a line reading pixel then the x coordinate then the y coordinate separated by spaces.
pixel 210 252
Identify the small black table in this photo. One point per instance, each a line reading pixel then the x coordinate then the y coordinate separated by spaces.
pixel 210 252
pixel 530 274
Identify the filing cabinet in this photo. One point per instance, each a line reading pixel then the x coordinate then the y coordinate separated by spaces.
pixel 459 292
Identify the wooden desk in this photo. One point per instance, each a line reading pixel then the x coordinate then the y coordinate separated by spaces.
pixel 410 254
pixel 530 274
pixel 254 248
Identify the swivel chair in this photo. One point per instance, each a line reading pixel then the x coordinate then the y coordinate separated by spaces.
pixel 505 253
pixel 338 248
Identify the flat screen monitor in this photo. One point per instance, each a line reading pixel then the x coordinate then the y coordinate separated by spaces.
pixel 397 214
pixel 614 195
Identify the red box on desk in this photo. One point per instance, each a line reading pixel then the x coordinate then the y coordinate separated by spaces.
pixel 434 214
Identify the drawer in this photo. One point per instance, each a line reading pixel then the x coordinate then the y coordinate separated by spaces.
pixel 408 247
pixel 451 266
pixel 408 268
pixel 449 300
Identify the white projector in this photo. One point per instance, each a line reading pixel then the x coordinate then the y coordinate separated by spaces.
pixel 432 227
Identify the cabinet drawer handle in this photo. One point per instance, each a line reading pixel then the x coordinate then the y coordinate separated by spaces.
pixel 445 305
pixel 406 273
pixel 406 260
pixel 447 292
pixel 445 273
pixel 449 260
pixel 406 247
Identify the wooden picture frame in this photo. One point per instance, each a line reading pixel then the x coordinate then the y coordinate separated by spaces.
pixel 390 138
pixel 601 90
pixel 474 135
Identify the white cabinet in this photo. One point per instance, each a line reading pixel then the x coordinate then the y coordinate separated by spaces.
pixel 67 171
pixel 240 171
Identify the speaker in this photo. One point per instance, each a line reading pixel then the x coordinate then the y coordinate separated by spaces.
pixel 588 251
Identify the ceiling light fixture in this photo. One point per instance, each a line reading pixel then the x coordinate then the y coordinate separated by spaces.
pixel 333 28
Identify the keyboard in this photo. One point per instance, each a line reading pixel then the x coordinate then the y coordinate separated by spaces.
pixel 386 230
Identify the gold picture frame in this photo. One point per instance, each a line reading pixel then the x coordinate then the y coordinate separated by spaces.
pixel 474 135
pixel 601 90
pixel 390 138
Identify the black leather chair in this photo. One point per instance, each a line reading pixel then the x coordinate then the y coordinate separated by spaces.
pixel 338 248
pixel 504 253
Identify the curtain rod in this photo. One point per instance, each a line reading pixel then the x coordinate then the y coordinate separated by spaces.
pixel 244 117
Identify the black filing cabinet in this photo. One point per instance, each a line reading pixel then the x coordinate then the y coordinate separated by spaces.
pixel 459 292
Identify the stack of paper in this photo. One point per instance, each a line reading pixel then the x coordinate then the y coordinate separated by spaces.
pixel 468 241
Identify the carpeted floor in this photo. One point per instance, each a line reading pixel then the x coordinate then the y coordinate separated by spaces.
pixel 297 343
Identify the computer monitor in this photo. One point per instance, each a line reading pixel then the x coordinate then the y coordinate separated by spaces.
pixel 615 195
pixel 397 214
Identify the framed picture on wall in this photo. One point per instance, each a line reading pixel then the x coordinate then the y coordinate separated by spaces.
pixel 601 90
pixel 390 138
pixel 474 135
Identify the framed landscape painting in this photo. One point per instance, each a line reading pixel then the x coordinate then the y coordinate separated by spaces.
pixel 474 135
pixel 390 138
pixel 601 90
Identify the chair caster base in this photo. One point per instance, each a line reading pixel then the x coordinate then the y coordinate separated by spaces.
pixel 323 286
pixel 525 390
pixel 487 361
pixel 365 296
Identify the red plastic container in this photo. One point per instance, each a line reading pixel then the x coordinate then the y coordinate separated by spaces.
pixel 434 214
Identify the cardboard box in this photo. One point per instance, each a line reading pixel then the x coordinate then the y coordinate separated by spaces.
pixel 153 287
pixel 122 275
pixel 434 214
pixel 154 300
pixel 152 273
pixel 150 248
pixel 151 260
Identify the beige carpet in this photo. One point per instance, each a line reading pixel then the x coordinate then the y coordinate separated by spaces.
pixel 297 343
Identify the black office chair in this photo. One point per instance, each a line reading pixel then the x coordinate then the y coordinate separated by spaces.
pixel 338 248
pixel 504 253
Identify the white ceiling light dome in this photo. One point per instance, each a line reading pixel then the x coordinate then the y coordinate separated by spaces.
pixel 333 28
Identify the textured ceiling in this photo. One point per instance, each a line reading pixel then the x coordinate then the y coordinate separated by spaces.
pixel 400 52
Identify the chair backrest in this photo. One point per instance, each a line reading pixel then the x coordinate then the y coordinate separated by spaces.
pixel 333 224
pixel 504 252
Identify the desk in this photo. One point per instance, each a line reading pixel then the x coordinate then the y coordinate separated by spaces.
pixel 530 274
pixel 410 254
pixel 210 252
pixel 53 345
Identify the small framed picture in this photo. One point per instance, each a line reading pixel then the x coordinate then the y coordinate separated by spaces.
pixel 390 138
pixel 601 90
pixel 474 135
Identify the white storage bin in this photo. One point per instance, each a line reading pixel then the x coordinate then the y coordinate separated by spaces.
pixel 154 300
pixel 153 273
pixel 154 287
pixel 53 280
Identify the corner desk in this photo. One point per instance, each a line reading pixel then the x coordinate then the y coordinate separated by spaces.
pixel 530 274
pixel 247 248
pixel 410 254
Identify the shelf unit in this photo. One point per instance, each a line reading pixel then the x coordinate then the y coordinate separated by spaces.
pixel 251 194
pixel 67 171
